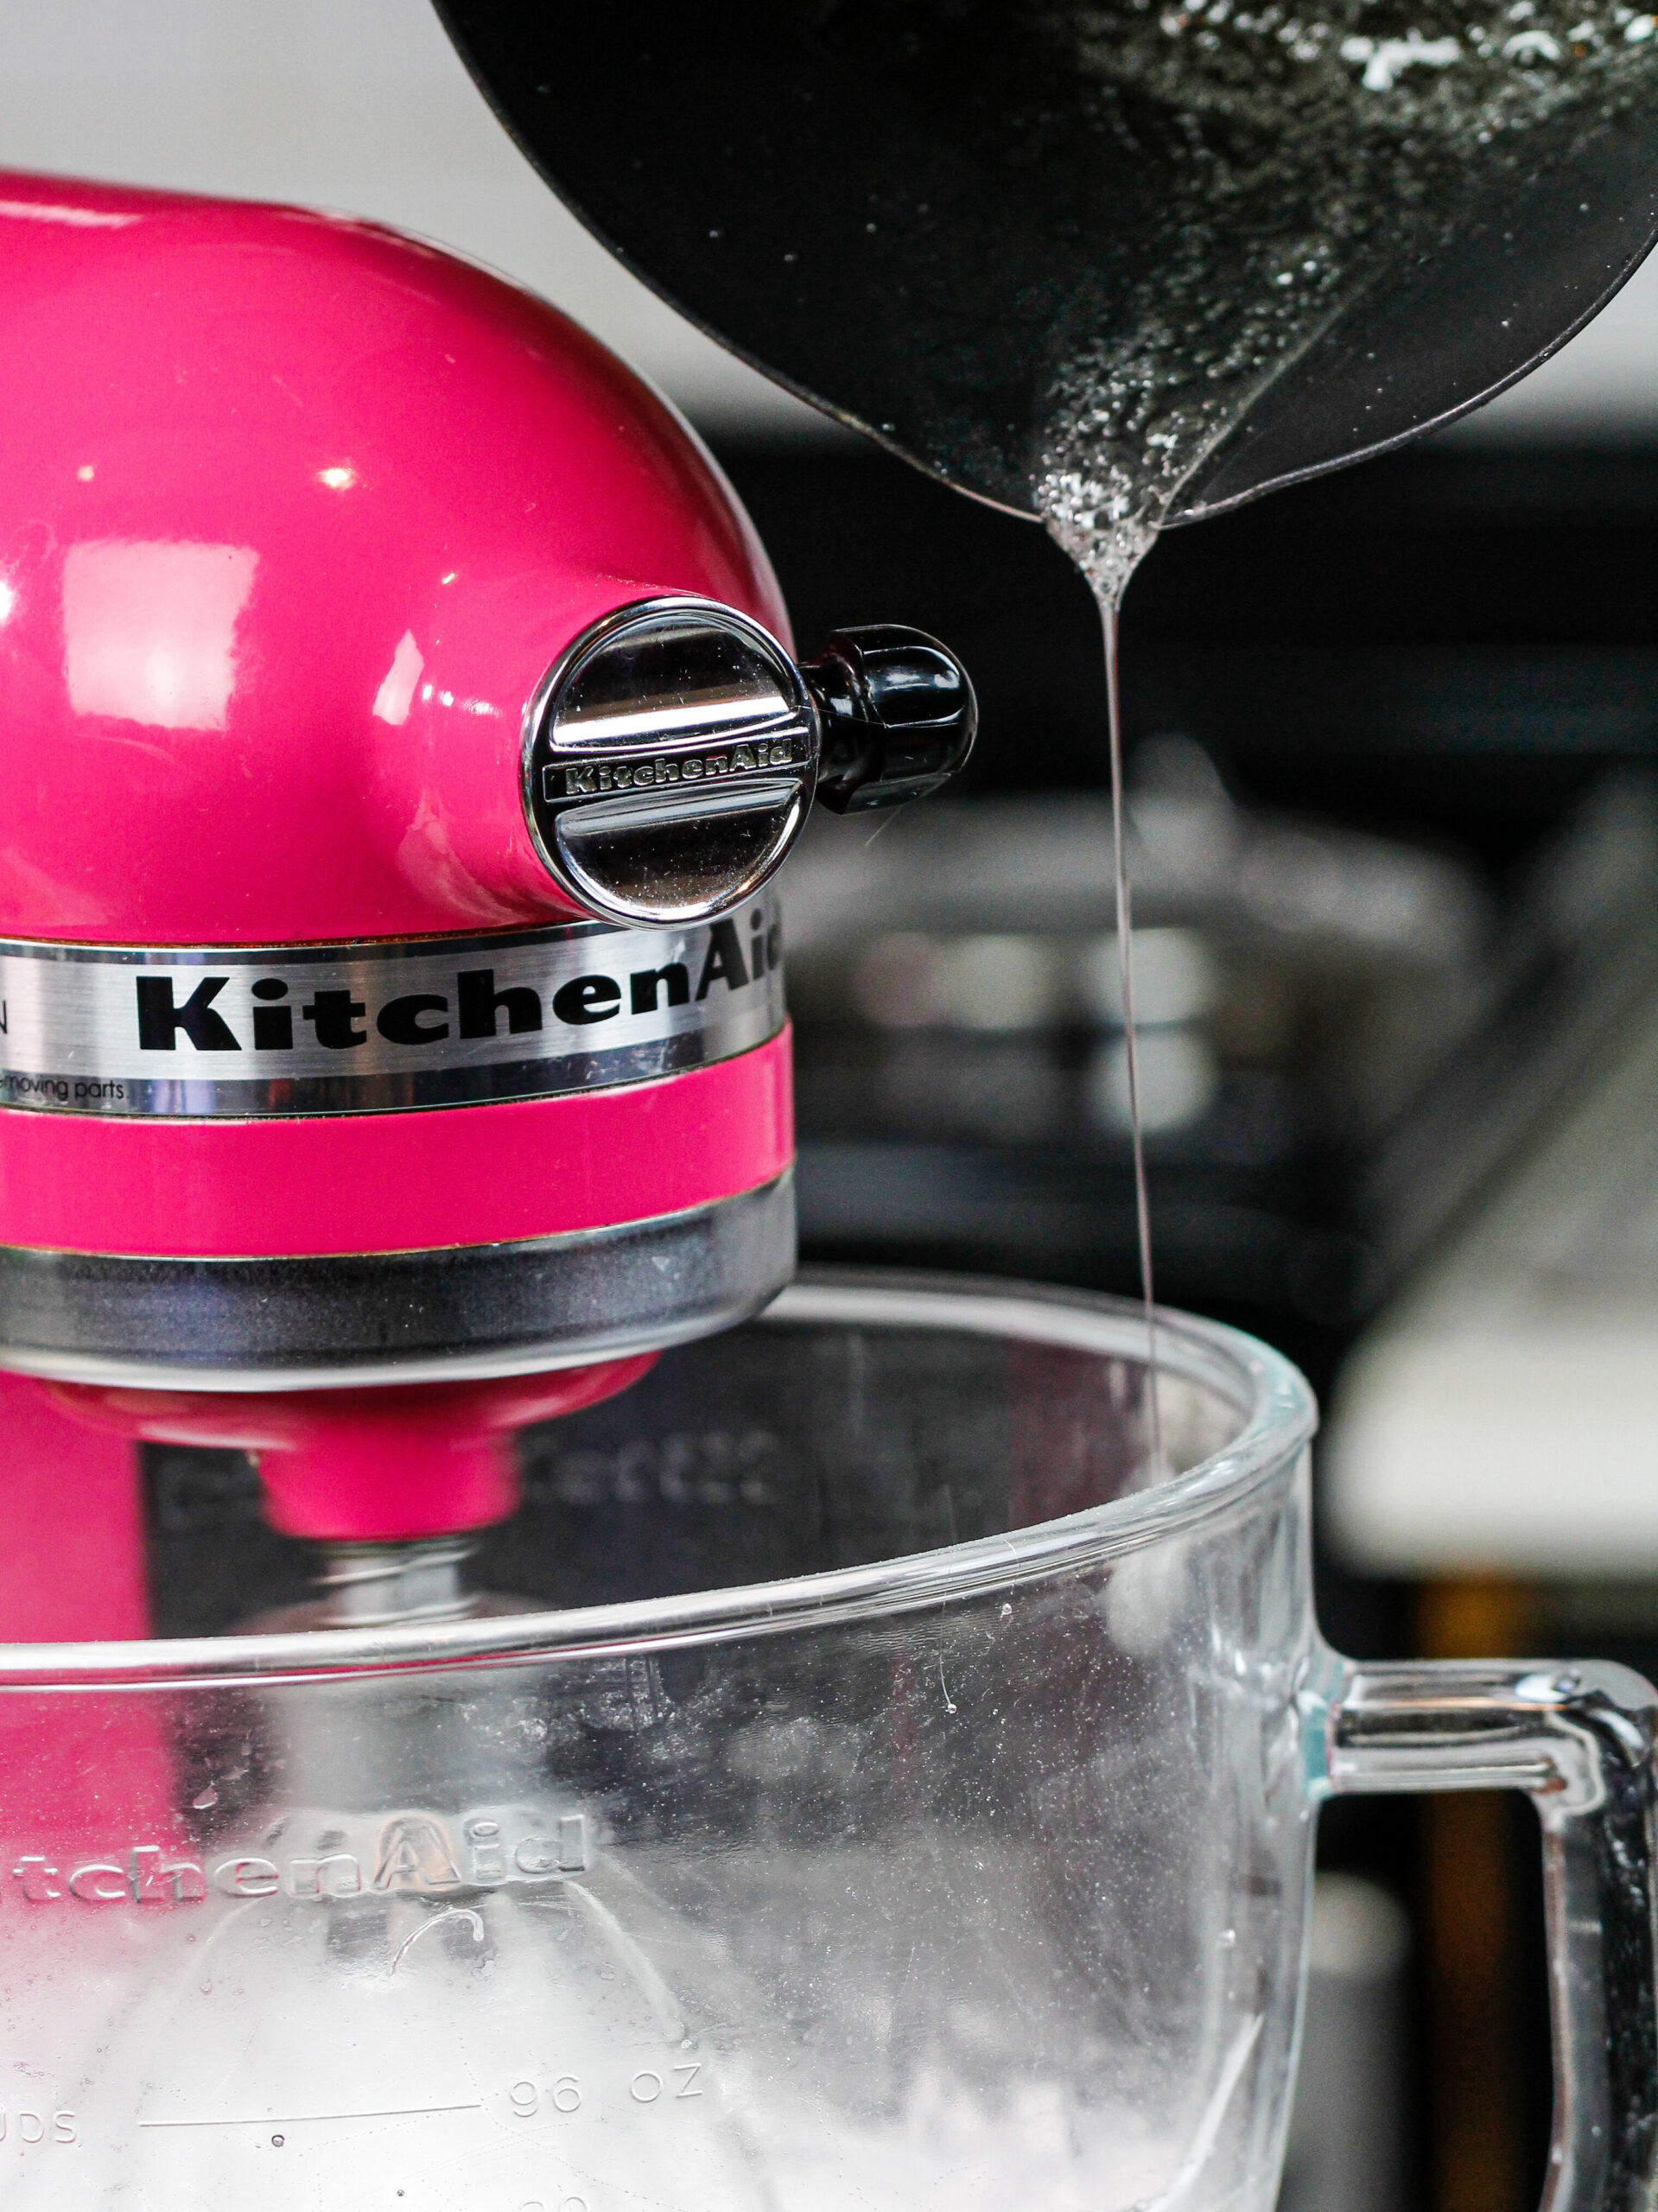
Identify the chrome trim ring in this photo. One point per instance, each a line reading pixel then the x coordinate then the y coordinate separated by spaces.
pixel 401 1317
pixel 383 1025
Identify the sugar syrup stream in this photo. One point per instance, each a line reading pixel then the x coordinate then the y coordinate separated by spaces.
pixel 1109 612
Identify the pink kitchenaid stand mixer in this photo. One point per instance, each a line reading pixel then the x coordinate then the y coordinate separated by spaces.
pixel 404 734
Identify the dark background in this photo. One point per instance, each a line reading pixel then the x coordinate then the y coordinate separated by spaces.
pixel 1448 642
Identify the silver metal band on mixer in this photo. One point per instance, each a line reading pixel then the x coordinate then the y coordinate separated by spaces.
pixel 381 1026
pixel 291 1031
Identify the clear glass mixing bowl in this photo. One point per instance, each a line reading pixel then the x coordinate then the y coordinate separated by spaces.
pixel 939 1835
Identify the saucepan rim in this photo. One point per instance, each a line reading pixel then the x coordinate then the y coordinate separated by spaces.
pixel 1277 1416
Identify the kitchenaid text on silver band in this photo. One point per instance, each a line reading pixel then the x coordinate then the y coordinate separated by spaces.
pixel 374 1027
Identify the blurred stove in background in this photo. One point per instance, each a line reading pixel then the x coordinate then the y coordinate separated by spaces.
pixel 1394 880
pixel 1351 2123
pixel 960 1062
pixel 1339 1034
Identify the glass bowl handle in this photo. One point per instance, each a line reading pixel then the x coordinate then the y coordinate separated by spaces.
pixel 1579 1739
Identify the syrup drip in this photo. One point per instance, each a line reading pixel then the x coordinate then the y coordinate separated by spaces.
pixel 1108 561
pixel 1109 614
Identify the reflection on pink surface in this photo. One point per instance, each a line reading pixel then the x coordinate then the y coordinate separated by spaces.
pixel 77 219
pixel 396 695
pixel 150 629
pixel 72 1564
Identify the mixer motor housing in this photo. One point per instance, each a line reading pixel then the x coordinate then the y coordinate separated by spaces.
pixel 403 728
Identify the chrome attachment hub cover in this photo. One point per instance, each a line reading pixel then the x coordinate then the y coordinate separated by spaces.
pixel 669 757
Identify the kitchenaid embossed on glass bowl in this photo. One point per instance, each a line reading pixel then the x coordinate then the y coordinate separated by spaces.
pixel 863 1761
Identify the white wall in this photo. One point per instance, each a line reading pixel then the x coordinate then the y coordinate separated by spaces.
pixel 1601 387
pixel 358 104
pixel 362 104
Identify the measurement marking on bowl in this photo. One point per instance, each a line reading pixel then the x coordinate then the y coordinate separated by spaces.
pixel 313 2119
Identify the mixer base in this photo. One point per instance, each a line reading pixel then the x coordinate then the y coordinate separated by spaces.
pixel 396 1317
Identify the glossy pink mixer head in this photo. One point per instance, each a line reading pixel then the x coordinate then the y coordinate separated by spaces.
pixel 403 729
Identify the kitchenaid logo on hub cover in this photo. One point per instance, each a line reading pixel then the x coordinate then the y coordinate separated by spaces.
pixel 414 1023
pixel 405 1854
pixel 588 778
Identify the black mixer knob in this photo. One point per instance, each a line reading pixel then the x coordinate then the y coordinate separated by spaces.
pixel 897 713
